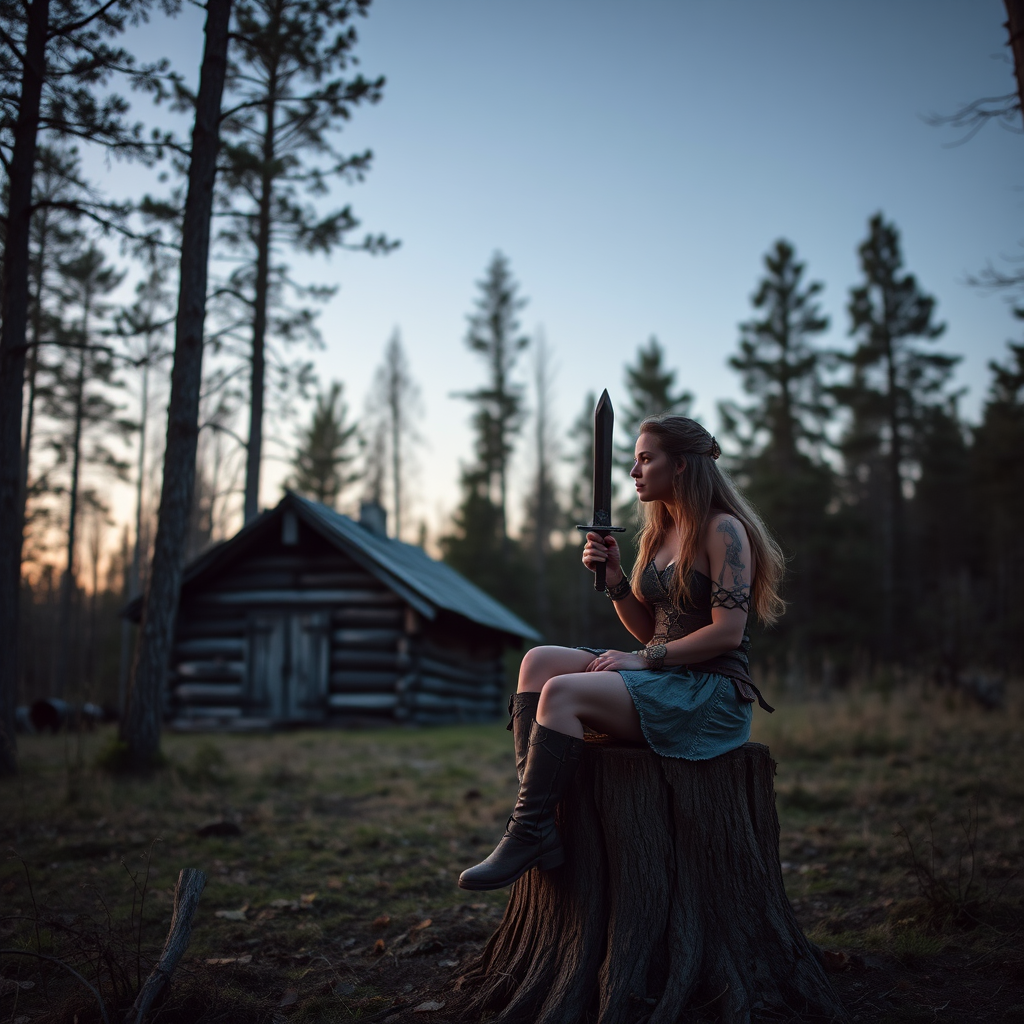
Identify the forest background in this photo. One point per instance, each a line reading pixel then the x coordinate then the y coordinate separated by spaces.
pixel 897 509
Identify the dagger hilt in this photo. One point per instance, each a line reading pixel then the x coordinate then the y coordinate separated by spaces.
pixel 604 531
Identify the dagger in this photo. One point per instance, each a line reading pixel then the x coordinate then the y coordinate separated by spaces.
pixel 604 420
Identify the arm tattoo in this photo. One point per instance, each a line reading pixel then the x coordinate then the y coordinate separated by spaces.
pixel 733 597
pixel 733 553
pixel 736 595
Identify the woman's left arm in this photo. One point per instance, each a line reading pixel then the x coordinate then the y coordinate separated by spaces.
pixel 732 571
pixel 732 574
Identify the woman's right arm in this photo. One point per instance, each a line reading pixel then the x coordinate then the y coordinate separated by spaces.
pixel 632 612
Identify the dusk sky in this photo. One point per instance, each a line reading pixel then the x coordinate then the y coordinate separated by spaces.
pixel 635 162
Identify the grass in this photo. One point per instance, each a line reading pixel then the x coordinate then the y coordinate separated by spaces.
pixel 901 817
pixel 901 836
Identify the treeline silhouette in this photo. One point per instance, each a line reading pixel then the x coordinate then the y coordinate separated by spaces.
pixel 900 521
pixel 277 83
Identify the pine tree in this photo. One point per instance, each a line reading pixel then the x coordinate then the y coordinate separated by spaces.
pixel 779 363
pixel 144 326
pixel 54 240
pixel 289 95
pixel 543 509
pixel 478 545
pixel 80 400
pixel 944 617
pixel 892 379
pixel 392 410
pixel 326 450
pixel 649 384
pixel 140 726
pixel 581 461
pixel 998 500
pixel 494 335
pixel 780 435
pixel 55 58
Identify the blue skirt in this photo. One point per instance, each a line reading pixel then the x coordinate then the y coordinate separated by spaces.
pixel 687 714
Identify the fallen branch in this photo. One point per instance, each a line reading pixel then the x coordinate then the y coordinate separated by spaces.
pixel 191 883
pixel 67 967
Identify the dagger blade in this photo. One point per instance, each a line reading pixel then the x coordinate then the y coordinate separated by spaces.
pixel 604 421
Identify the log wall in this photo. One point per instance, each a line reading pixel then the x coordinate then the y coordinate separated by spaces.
pixel 351 649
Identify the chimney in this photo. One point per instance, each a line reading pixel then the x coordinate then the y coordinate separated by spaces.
pixel 372 517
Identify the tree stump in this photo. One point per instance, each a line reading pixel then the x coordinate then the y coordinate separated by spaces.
pixel 670 902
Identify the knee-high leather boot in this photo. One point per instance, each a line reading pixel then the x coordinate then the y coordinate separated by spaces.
pixel 522 709
pixel 531 839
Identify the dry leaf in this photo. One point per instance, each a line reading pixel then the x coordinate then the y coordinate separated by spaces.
pixel 285 904
pixel 306 900
pixel 290 998
pixel 423 924
pixel 380 923
pixel 378 947
pixel 334 883
pixel 428 1007
pixel 223 961
pixel 8 985
pixel 232 915
pixel 835 961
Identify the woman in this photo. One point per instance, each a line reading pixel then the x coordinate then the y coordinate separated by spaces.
pixel 704 557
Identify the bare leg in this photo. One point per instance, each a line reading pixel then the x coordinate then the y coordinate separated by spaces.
pixel 599 700
pixel 541 663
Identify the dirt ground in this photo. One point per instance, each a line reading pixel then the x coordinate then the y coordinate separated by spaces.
pixel 332 859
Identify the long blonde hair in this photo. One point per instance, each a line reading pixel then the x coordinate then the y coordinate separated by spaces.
pixel 701 491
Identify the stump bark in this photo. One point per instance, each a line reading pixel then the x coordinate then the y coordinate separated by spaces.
pixel 670 905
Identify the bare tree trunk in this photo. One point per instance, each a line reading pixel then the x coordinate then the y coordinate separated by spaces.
pixel 140 727
pixel 544 493
pixel 396 460
pixel 92 644
pixel 893 554
pixel 1015 27
pixel 68 585
pixel 396 392
pixel 133 569
pixel 33 358
pixel 671 899
pixel 261 298
pixel 13 324
pixel 124 666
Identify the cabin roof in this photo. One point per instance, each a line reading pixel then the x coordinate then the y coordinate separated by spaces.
pixel 428 585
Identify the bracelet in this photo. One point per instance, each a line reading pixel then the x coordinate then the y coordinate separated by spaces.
pixel 621 589
pixel 654 655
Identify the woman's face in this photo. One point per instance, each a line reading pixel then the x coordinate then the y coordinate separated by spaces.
pixel 653 471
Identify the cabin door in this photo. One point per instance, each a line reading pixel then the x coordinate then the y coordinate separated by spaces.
pixel 288 665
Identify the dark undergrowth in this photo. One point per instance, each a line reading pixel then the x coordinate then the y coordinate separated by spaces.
pixel 332 859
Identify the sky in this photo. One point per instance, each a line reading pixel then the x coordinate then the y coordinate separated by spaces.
pixel 634 162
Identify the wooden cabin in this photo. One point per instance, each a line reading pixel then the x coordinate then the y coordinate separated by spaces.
pixel 307 616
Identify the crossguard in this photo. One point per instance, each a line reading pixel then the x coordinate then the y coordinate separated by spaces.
pixel 604 531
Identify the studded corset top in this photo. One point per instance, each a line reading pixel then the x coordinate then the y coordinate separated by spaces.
pixel 672 621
